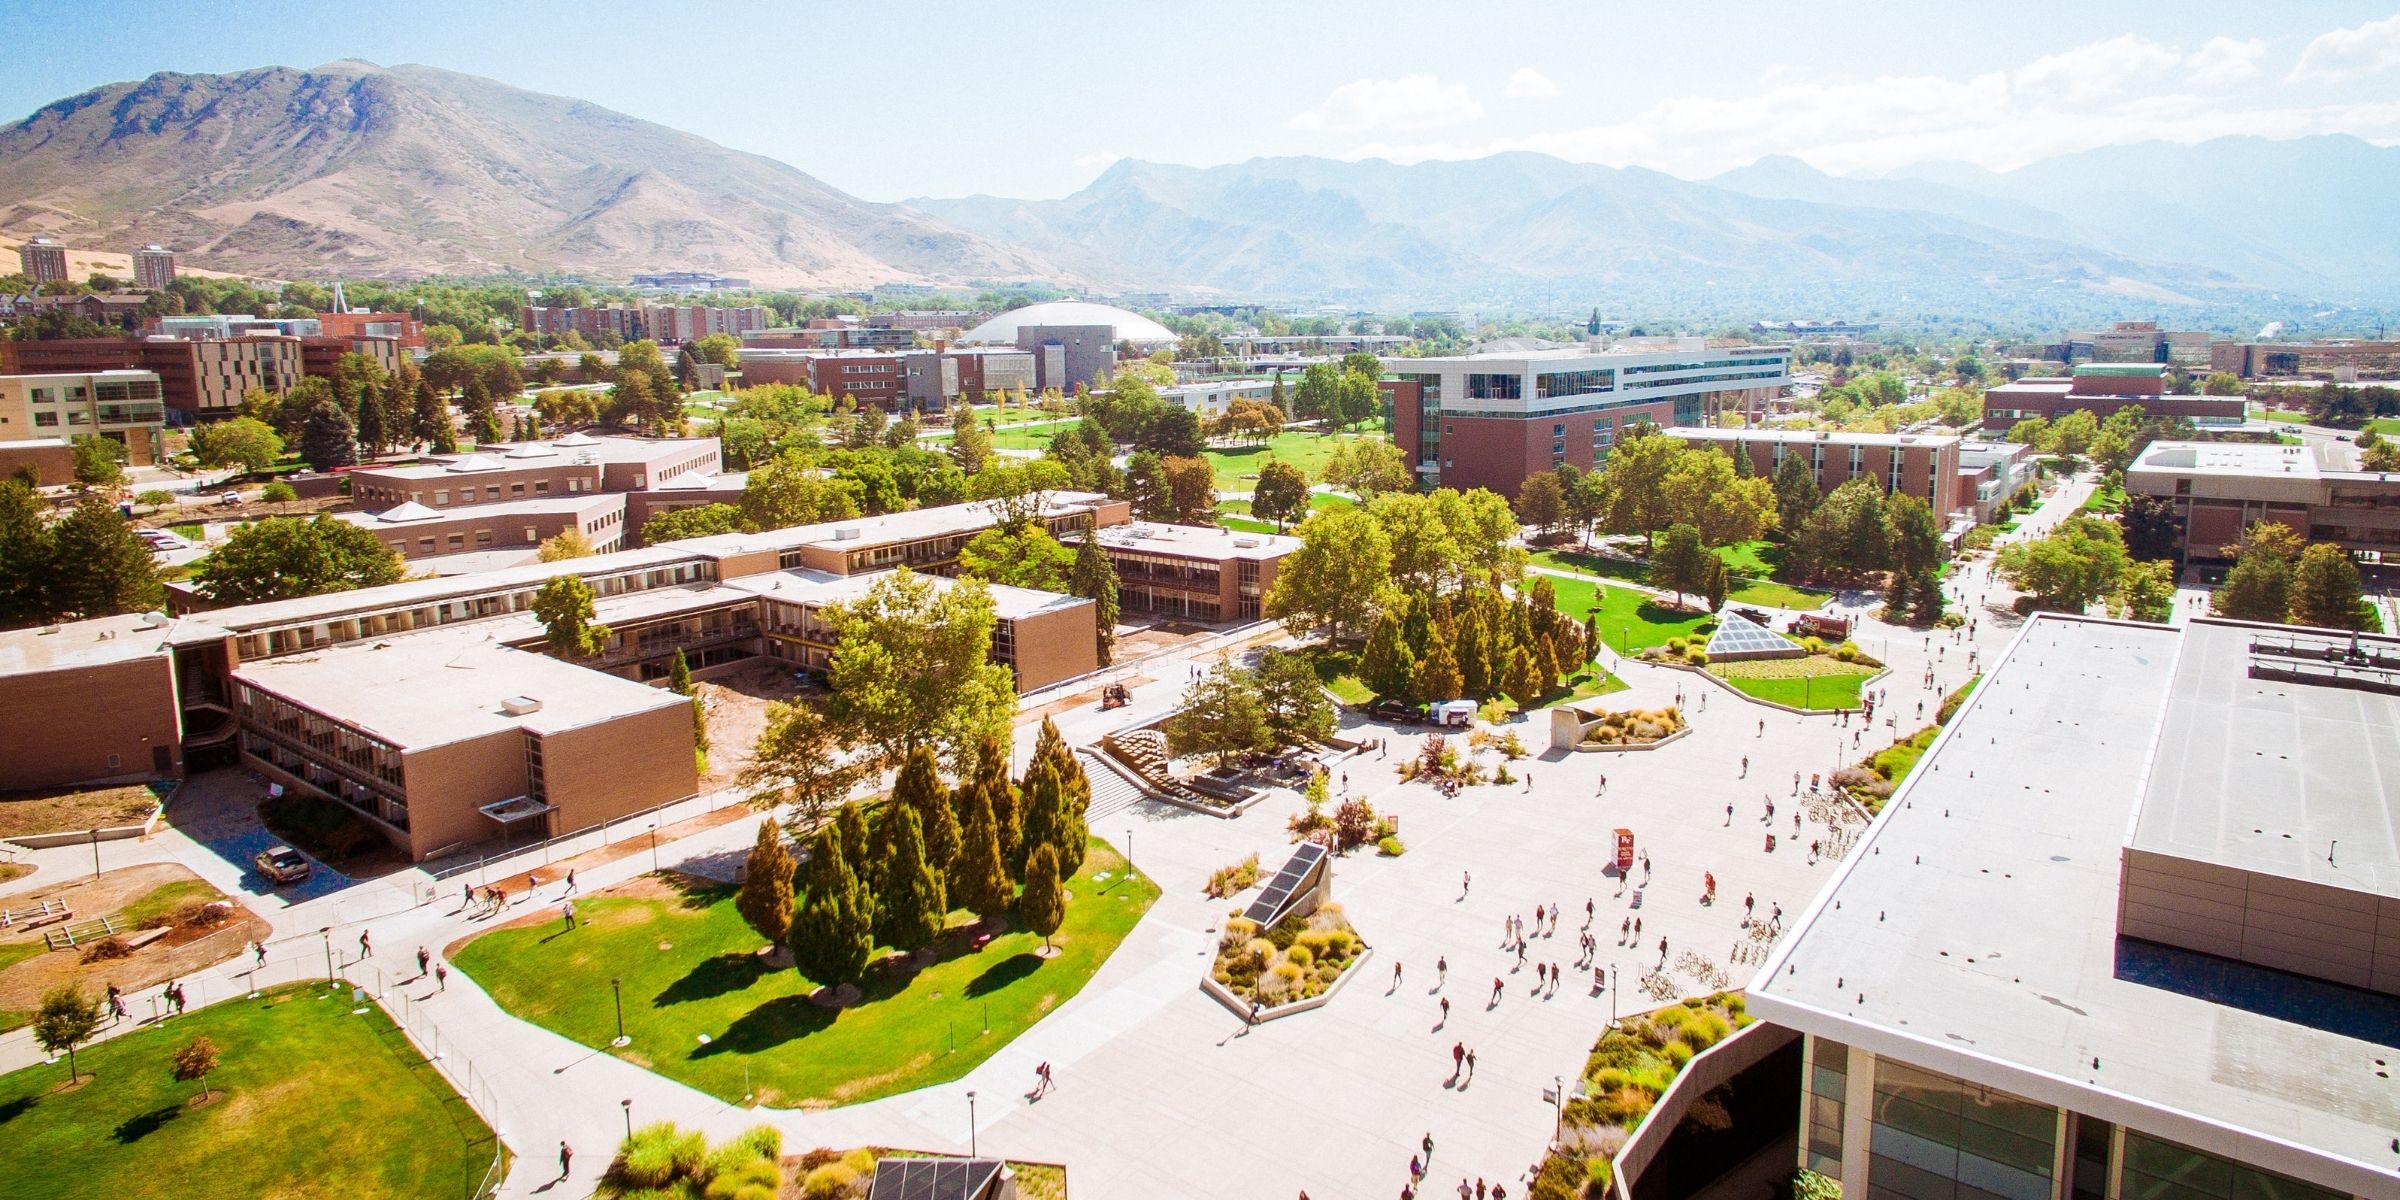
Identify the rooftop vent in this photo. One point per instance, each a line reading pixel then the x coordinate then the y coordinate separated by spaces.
pixel 518 706
pixel 1245 542
pixel 846 533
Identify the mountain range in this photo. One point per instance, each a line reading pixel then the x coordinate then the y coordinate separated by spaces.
pixel 412 170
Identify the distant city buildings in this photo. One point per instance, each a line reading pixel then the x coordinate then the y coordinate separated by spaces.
pixel 2341 361
pixel 204 371
pixel 126 406
pixel 153 267
pixel 689 281
pixel 2102 389
pixel 832 333
pixel 43 260
pixel 1807 330
pixel 663 323
pixel 1490 420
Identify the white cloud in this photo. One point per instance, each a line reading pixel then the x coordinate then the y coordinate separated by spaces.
pixel 1529 84
pixel 1097 160
pixel 2123 89
pixel 1409 102
pixel 2225 60
pixel 2098 70
pixel 2349 53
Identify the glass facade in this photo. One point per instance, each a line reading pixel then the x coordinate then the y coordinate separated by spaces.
pixel 1935 1137
pixel 2162 1170
pixel 1828 1085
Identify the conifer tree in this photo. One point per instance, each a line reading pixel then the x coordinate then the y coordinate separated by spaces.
pixel 1050 746
pixel 1043 800
pixel 991 780
pixel 1044 905
pixel 979 879
pixel 1437 673
pixel 909 915
pixel 765 900
pixel 1524 683
pixel 1386 666
pixel 859 847
pixel 370 421
pixel 918 788
pixel 832 932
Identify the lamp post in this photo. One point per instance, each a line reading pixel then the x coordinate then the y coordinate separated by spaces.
pixel 1612 995
pixel 616 988
pixel 971 1124
pixel 627 1105
pixel 327 933
pixel 1558 1107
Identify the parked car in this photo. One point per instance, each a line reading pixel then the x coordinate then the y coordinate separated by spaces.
pixel 282 864
pixel 1396 712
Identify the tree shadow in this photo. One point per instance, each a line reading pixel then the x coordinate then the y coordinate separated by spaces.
pixel 769 1025
pixel 135 1128
pixel 713 977
pixel 1003 973
pixel 15 1108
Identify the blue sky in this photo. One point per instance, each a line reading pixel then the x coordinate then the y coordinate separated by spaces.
pixel 894 100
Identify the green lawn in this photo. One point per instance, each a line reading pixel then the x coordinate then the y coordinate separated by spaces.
pixel 1751 585
pixel 162 901
pixel 1818 681
pixel 316 1101
pixel 1246 524
pixel 1897 760
pixel 1338 671
pixel 1237 467
pixel 2104 500
pixel 2289 418
pixel 1629 620
pixel 689 973
pixel 1585 684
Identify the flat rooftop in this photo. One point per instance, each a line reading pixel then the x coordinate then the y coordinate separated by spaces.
pixel 570 450
pixel 433 689
pixel 1192 541
pixel 887 529
pixel 97 642
pixel 412 593
pixel 2231 458
pixel 410 514
pixel 1973 931
pixel 1831 437
pixel 820 588
pixel 2266 775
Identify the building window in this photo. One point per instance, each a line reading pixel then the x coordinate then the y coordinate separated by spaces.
pixel 441 496
pixel 2161 1168
pixel 1930 1134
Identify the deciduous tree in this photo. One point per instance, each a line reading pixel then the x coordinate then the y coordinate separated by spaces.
pixel 282 558
pixel 66 1019
pixel 564 606
pixel 2326 591
pixel 1281 494
pixel 912 665
pixel 1368 467
pixel 1344 559
pixel 1023 556
pixel 1221 715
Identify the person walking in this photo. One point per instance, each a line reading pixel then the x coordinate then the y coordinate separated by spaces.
pixel 1395 975
pixel 1427 1143
pixel 116 1003
pixel 1587 911
pixel 366 949
pixel 1497 988
pixel 1729 816
pixel 1746 763
pixel 424 962
pixel 1458 1059
pixel 1470 1064
pixel 567 911
pixel 467 900
pixel 1445 1010
pixel 1441 971
pixel 1466 883
pixel 566 1160
pixel 570 882
pixel 258 951
pixel 441 976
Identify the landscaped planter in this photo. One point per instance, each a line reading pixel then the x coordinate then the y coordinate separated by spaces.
pixel 1314 936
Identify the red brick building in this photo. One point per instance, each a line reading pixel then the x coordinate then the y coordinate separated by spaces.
pixel 1921 465
pixel 2101 389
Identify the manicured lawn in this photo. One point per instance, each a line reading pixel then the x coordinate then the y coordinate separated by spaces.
pixel 162 901
pixel 1776 595
pixel 1751 586
pixel 1818 681
pixel 311 1092
pixel 2104 500
pixel 1237 467
pixel 689 972
pixel 1601 565
pixel 1338 671
pixel 1585 684
pixel 2285 416
pixel 1246 524
pixel 1757 558
pixel 1629 620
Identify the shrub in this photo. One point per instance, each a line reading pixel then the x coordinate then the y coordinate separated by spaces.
pixel 1705 1029
pixel 1814 645
pixel 1677 1052
pixel 1950 703
pixel 810 1160
pixel 1391 846
pixel 1225 881
pixel 1696 656
pixel 833 1181
pixel 1675 645
pixel 105 949
pixel 1502 776
pixel 1560 1177
pixel 1672 1016
pixel 1299 956
pixel 1847 652
pixel 649 1157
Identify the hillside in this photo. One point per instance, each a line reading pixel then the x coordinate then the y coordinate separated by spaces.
pixel 413 170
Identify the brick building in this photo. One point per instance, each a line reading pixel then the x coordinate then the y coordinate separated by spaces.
pixel 198 379
pixel 664 323
pixel 126 406
pixel 1922 465
pixel 2221 488
pixel 153 267
pixel 2101 389
pixel 2343 361
pixel 1490 420
pixel 43 260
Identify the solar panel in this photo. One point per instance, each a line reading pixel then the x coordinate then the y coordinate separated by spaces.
pixel 1276 896
pixel 931 1178
pixel 1737 634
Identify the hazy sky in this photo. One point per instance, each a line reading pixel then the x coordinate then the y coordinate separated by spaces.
pixel 893 100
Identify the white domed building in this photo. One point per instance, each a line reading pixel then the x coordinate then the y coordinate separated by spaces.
pixel 1072 341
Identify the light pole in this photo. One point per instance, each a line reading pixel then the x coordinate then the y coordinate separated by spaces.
pixel 971 1124
pixel 627 1105
pixel 1612 995
pixel 616 988
pixel 1558 1107
pixel 327 933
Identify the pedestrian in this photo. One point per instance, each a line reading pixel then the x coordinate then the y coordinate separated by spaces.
pixel 1520 952
pixel 1428 1144
pixel 1541 975
pixel 1637 929
pixel 1043 1072
pixel 1528 781
pixel 468 900
pixel 1729 816
pixel 116 1003
pixel 1466 883
pixel 570 882
pixel 1445 1010
pixel 533 882
pixel 1624 929
pixel 424 962
pixel 1470 1064
pixel 1458 1058
pixel 1395 974
pixel 1441 971
pixel 1795 824
pixel 441 976
pixel 1465 1191
pixel 1795 783
pixel 1416 1167
pixel 258 951
pixel 566 1160
pixel 1587 912
pixel 1479 1191
pixel 567 910
pixel 1537 918
pixel 1497 988
pixel 1746 763
pixel 1762 729
pixel 366 949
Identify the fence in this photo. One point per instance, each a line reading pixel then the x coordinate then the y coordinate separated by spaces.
pixel 413 1020
pixel 567 845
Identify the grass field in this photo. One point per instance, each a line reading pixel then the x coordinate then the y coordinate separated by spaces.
pixel 1629 620
pixel 1237 467
pixel 690 974
pixel 1235 514
pixel 1746 590
pixel 1818 681
pixel 309 1092
pixel 1338 671
pixel 2103 500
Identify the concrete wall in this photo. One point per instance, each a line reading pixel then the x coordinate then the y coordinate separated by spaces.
pixel 63 725
pixel 2293 925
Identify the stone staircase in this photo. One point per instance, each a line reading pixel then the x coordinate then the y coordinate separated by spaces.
pixel 1144 753
pixel 1112 793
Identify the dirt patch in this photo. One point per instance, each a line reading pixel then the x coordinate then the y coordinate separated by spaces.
pixel 183 950
pixel 737 703
pixel 63 810
pixel 662 885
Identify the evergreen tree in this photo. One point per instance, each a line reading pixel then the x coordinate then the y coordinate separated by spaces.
pixel 858 845
pixel 1386 666
pixel 111 571
pixel 832 931
pixel 679 674
pixel 27 548
pixel 765 900
pixel 999 794
pixel 430 416
pixel 1045 813
pixel 1416 627
pixel 328 437
pixel 1044 905
pixel 2326 591
pixel 911 908
pixel 918 788
pixel 1714 583
pixel 1095 579
pixel 1049 746
pixel 979 879
pixel 1523 682
pixel 1476 652
pixel 370 420
pixel 1437 673
pixel 1796 492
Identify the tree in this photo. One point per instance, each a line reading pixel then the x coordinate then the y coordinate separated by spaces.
pixel 832 931
pixel 2072 434
pixel 1023 556
pixel 1318 397
pixel 2077 563
pixel 1846 535
pixel 2221 383
pixel 979 878
pixel 1049 818
pixel 1017 492
pixel 2149 526
pixel 1344 559
pixel 2258 588
pixel 1094 578
pixel 1044 905
pixel 106 569
pixel 2325 589
pixel 919 787
pixel 27 549
pixel 99 461
pixel 765 899
pixel 278 493
pixel 243 441
pixel 1915 539
pixel 1146 486
pixel 970 442
pixel 2146 590
pixel 700 520
pixel 909 905
pixel 1222 714
pixel 789 491
pixel 1521 680
pixel 1637 482
pixel 1368 467
pixel 994 789
pixel 1292 700
pixel 565 544
pixel 1703 490
pixel 2032 431
pixel 564 606
pixel 1680 561
pixel 328 439
pixel 1281 494
pixel 1172 432
pixel 912 664
pixel 194 1060
pixel 1387 666
pixel 1542 502
pixel 1191 490
pixel 1438 676
pixel 283 558
pixel 369 421
pixel 799 761
pixel 65 1020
